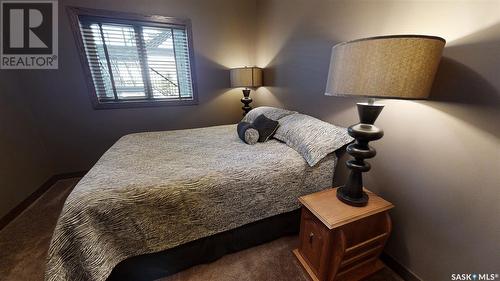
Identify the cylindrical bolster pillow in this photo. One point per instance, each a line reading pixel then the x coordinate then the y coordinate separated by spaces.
pixel 247 133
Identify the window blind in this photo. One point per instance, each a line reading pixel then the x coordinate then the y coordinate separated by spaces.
pixel 134 61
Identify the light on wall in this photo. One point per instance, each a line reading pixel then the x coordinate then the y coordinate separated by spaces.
pixel 398 66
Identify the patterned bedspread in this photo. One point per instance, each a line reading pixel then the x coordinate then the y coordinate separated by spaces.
pixel 153 191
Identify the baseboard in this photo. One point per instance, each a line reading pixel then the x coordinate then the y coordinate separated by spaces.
pixel 400 269
pixel 17 210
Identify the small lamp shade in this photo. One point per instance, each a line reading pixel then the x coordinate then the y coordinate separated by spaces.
pixel 398 66
pixel 249 77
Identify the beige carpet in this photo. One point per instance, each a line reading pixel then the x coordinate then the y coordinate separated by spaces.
pixel 25 241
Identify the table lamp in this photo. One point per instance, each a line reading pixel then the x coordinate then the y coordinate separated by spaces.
pixel 247 77
pixel 394 67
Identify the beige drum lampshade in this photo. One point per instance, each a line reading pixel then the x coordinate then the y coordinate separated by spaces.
pixel 250 77
pixel 398 66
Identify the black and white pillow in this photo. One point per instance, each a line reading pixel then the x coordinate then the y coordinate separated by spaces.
pixel 266 127
pixel 272 113
pixel 311 137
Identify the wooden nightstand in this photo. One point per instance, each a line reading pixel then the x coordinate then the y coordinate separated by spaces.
pixel 341 242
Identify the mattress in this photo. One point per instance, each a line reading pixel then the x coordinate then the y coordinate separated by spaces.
pixel 153 191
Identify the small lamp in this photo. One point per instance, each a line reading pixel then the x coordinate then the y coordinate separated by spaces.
pixel 247 77
pixel 397 66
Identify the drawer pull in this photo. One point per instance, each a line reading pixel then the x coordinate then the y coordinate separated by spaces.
pixel 311 235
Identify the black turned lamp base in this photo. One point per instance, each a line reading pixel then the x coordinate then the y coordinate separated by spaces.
pixel 352 192
pixel 246 100
pixel 357 202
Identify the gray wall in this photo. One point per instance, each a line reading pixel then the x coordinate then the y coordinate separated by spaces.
pixel 24 161
pixel 439 159
pixel 56 102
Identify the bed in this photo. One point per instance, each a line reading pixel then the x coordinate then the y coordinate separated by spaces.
pixel 156 191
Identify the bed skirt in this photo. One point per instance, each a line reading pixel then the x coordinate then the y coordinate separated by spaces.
pixel 157 265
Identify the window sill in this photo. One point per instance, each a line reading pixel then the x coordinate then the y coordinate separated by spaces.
pixel 142 103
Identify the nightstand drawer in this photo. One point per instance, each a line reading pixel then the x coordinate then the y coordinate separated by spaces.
pixel 313 241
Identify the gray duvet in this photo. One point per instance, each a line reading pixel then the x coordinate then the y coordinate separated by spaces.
pixel 153 191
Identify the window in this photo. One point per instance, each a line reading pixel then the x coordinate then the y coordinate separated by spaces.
pixel 134 60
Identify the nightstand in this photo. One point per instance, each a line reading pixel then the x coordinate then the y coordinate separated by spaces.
pixel 342 242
